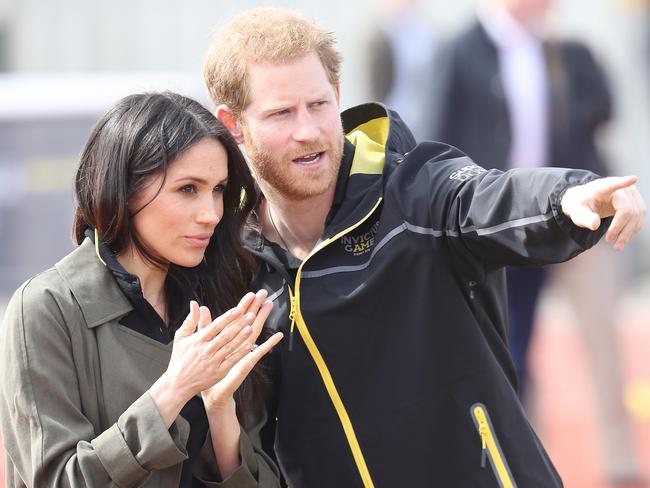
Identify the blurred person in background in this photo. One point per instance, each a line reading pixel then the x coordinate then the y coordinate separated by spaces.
pixel 512 96
pixel 110 373
pixel 386 258
pixel 400 57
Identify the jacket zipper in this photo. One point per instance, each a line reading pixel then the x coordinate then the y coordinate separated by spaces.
pixel 292 316
pixel 295 315
pixel 490 447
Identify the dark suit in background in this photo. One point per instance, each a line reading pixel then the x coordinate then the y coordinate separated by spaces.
pixel 470 111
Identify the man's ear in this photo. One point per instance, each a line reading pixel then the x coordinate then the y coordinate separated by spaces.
pixel 228 119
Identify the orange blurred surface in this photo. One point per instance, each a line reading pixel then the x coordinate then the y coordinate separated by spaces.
pixel 566 418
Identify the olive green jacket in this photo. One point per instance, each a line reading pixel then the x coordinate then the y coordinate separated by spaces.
pixel 74 405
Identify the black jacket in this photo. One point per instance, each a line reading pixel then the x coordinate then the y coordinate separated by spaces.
pixel 471 111
pixel 399 351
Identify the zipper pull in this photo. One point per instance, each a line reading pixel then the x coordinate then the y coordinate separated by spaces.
pixel 483 455
pixel 292 317
pixel 483 431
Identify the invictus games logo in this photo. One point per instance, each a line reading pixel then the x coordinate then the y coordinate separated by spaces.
pixel 466 172
pixel 362 243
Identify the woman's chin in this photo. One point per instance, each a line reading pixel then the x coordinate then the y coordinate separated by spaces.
pixel 188 260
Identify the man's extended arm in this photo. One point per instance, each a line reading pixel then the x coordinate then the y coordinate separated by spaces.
pixel 522 216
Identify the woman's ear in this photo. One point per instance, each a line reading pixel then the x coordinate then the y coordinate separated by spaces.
pixel 228 119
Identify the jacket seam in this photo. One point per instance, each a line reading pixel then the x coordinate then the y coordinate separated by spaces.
pixel 510 224
pixel 23 344
pixel 278 292
pixel 404 226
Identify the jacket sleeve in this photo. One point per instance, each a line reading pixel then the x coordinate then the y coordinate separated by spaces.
pixel 257 469
pixel 502 218
pixel 47 436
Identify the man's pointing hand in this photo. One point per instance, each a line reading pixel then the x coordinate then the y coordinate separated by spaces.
pixel 616 196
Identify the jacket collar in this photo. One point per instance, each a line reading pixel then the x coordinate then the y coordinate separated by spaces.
pixel 377 135
pixel 382 126
pixel 93 285
pixel 380 138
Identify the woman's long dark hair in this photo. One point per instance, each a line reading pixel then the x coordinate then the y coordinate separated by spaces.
pixel 132 144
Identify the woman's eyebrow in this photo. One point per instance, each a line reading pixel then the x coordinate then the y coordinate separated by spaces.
pixel 198 179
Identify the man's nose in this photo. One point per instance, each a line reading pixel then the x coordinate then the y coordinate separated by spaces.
pixel 306 128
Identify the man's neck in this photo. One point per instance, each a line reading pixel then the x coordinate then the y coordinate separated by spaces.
pixel 295 225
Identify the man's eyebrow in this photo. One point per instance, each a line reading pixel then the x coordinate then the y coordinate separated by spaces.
pixel 275 108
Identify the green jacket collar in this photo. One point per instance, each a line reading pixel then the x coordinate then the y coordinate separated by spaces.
pixel 92 285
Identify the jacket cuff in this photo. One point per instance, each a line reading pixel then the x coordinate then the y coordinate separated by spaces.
pixel 244 476
pixel 139 442
pixel 585 238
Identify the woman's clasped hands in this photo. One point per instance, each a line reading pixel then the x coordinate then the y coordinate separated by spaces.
pixel 213 357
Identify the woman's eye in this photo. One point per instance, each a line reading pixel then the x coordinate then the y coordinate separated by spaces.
pixel 220 188
pixel 188 189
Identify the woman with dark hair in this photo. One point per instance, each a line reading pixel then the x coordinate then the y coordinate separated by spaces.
pixel 111 373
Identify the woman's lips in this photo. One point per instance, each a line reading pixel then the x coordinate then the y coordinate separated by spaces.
pixel 199 240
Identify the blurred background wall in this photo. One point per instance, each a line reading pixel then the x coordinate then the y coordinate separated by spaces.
pixel 64 62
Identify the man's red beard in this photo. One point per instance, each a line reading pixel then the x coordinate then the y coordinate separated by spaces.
pixel 284 176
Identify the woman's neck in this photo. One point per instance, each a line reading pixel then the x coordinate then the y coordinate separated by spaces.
pixel 152 279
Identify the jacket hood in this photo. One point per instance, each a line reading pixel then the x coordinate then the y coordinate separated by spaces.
pixel 378 133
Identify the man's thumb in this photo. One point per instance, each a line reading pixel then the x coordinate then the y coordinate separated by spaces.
pixel 584 217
